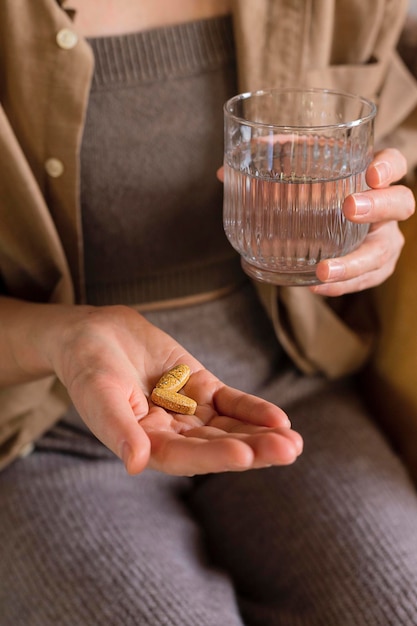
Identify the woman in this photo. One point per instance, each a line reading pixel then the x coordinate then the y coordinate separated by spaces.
pixel 110 197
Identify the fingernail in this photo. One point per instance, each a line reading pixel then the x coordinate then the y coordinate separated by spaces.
pixel 363 204
pixel 126 452
pixel 336 270
pixel 384 172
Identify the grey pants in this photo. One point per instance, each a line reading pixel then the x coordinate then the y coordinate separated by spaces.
pixel 329 541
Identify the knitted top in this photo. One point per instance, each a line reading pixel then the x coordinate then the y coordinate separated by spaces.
pixel 153 140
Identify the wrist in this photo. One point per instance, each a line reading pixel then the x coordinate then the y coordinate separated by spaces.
pixel 31 335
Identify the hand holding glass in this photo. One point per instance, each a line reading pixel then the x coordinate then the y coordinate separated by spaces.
pixel 291 158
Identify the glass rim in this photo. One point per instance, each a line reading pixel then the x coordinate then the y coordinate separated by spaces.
pixel 291 127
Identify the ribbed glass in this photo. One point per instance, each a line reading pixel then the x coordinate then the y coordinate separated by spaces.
pixel 291 158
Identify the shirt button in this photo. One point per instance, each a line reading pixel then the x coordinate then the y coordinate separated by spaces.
pixel 26 450
pixel 66 39
pixel 54 167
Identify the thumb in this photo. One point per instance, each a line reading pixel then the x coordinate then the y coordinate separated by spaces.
pixel 113 421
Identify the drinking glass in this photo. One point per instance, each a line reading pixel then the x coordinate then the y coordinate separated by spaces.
pixel 291 158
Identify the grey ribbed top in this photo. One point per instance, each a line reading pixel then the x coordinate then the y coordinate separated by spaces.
pixel 153 140
pixel 163 53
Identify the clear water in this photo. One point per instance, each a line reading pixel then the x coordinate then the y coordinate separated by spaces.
pixel 288 223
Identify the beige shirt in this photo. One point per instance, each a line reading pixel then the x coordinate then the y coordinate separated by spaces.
pixel 45 73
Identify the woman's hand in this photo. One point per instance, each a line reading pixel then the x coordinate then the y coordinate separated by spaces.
pixel 110 358
pixel 231 430
pixel 383 207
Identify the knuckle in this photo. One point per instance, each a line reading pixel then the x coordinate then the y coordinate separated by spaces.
pixel 395 202
pixel 409 202
pixel 399 161
pixel 383 203
pixel 389 248
pixel 335 289
pixel 363 283
pixel 401 240
pixel 389 202
pixel 385 253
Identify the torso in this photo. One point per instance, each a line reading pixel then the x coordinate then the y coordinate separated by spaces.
pixel 113 17
pixel 178 204
pixel 152 142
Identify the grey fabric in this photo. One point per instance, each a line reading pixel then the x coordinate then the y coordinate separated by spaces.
pixel 83 544
pixel 153 140
pixel 329 541
pixel 232 336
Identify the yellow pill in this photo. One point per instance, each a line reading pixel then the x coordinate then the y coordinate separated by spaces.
pixel 172 401
pixel 175 378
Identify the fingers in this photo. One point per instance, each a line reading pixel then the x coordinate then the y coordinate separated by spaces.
pixel 278 446
pixel 382 206
pixel 231 431
pixel 366 267
pixel 391 203
pixel 200 452
pixel 275 448
pixel 234 403
pixel 247 408
pixel 188 456
pixel 388 166
pixel 111 417
pixel 382 202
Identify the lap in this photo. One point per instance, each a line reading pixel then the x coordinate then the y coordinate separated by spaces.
pixel 328 540
pixel 84 543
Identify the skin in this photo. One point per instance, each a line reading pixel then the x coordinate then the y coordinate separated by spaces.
pixel 111 17
pixel 383 206
pixel 110 358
